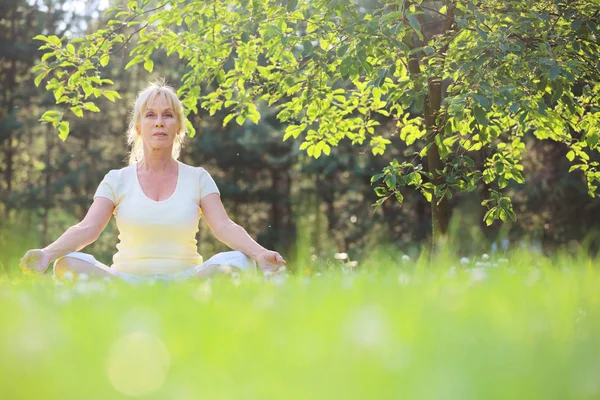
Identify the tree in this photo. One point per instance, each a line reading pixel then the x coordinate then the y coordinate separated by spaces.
pixel 465 78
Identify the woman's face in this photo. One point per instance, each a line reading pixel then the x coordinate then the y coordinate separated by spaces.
pixel 158 123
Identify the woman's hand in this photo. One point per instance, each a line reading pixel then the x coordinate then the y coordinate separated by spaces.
pixel 35 261
pixel 270 261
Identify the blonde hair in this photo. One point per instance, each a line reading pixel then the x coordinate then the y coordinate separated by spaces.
pixel 151 92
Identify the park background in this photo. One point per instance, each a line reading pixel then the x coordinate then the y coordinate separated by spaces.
pixel 502 310
pixel 285 199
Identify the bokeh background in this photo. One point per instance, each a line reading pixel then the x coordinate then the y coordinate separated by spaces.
pixel 305 208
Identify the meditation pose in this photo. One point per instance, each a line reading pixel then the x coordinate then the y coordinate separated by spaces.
pixel 157 202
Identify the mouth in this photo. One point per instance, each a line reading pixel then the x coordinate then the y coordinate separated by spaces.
pixel 160 134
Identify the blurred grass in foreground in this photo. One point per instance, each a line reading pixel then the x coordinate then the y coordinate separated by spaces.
pixel 524 327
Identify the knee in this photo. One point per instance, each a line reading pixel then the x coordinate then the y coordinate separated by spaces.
pixel 61 267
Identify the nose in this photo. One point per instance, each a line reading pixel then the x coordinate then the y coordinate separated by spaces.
pixel 159 122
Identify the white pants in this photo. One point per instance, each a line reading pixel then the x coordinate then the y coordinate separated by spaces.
pixel 235 259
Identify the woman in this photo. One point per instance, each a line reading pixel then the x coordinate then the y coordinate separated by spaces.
pixel 157 202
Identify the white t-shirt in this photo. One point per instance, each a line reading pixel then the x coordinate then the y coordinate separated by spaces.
pixel 156 237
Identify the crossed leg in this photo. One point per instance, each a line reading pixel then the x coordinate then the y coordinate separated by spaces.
pixel 78 266
pixel 216 270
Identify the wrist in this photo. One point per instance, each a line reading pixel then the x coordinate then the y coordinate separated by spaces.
pixel 49 254
pixel 255 254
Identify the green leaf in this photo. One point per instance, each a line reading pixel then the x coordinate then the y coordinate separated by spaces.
pixel 38 79
pixel 416 25
pixel 308 47
pixel 482 101
pixel 293 131
pixel 51 116
pixel 390 181
pixel 342 50
pixel 554 72
pixel 592 139
pixel 480 115
pixel 191 131
pixel 63 130
pixel 149 65
pixel 514 108
pixel 489 216
pixel 104 60
pixel 42 38
pixel 376 177
pixel 571 155
pixel 345 67
pixel 136 60
pixel 111 95
pixel 228 118
pixel 59 92
pixel 291 5
pixel 77 111
pixel 91 107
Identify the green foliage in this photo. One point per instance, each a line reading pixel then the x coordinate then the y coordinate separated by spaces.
pixel 335 69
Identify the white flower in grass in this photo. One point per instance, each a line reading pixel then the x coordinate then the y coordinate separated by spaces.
pixel 340 256
pixel 405 258
pixel 89 287
pixel 451 273
pixel 478 274
pixel 204 292
pixel 314 257
pixel 236 279
pixel 279 279
pixel 503 261
pixel 485 257
pixel 267 274
pixel 68 276
pixel 64 296
pixel 351 264
pixel 403 279
pixel 465 260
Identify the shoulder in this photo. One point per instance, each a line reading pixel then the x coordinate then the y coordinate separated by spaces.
pixel 117 174
pixel 116 178
pixel 196 171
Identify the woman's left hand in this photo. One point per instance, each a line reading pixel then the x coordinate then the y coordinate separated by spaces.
pixel 270 261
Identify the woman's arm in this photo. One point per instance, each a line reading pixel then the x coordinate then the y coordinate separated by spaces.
pixel 234 236
pixel 75 238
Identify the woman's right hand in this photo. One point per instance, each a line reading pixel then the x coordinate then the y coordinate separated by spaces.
pixel 35 261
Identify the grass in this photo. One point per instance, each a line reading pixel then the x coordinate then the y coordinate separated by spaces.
pixel 528 328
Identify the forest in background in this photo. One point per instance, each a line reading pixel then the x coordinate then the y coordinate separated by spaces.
pixel 307 209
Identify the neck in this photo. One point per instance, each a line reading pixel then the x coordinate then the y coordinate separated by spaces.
pixel 157 159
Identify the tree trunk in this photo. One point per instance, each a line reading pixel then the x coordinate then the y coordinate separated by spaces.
pixel 440 213
pixel 439 209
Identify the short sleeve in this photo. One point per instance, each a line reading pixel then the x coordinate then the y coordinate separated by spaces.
pixel 108 187
pixel 207 183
